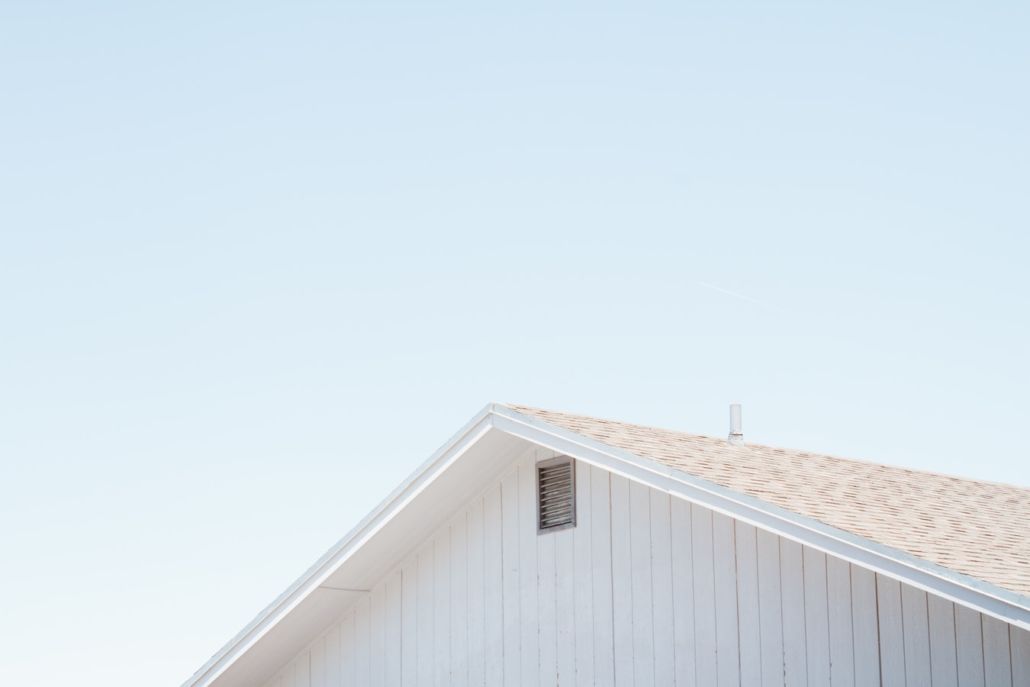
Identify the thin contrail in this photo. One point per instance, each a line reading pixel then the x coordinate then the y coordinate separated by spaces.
pixel 741 296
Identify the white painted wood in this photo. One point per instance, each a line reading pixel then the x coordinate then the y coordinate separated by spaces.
pixel 392 629
pixel 770 607
pixel 584 590
pixel 725 565
pixel 661 589
pixel 528 582
pixel 792 590
pixel 943 662
pixel 510 580
pixel 442 609
pixel 348 646
pixel 865 625
pixel 426 606
pixel 601 575
pixel 1020 642
pixel 492 583
pixel 565 605
pixel 997 661
pixel 646 589
pixel 969 642
pixel 817 623
pixel 622 581
pixel 362 663
pixel 643 609
pixel 318 678
pixel 459 602
pixel 682 592
pixel 476 599
pixel 746 538
pixel 332 657
pixel 547 634
pixel 842 641
pixel 409 622
pixel 915 624
pixel 377 641
pixel 704 597
pixel 892 638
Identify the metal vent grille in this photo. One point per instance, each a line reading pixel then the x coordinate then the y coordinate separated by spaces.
pixel 556 494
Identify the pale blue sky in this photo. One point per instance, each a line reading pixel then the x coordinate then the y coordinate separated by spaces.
pixel 257 261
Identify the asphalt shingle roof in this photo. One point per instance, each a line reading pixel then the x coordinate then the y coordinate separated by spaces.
pixel 980 529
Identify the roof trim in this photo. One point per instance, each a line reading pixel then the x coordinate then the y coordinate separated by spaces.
pixel 981 596
pixel 308 582
pixel 962 589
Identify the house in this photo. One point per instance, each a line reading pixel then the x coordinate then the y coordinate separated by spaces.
pixel 541 548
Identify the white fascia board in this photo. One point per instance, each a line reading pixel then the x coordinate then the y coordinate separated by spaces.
pixel 935 579
pixel 335 557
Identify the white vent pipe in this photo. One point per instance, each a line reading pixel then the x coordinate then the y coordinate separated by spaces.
pixel 736 425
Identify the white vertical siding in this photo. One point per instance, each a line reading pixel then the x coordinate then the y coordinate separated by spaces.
pixel 583 574
pixel 646 589
pixel 747 605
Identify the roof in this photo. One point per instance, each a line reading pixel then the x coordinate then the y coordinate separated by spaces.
pixel 963 540
pixel 979 529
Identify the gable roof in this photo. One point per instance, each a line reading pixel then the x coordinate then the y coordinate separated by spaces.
pixel 687 466
pixel 980 529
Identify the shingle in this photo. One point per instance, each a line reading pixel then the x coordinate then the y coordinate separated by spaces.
pixel 976 528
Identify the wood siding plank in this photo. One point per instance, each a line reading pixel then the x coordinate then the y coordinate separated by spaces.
pixel 377 637
pixel 969 644
pixel 425 607
pixel 817 623
pixel 943 661
pixel 332 657
pixel 997 658
pixel 683 592
pixel 584 591
pixel 770 608
pixel 792 590
pixel 1020 640
pixel 318 663
pixel 640 552
pixel 565 605
pixel 601 573
pixel 725 565
pixel 392 630
pixel 303 674
pixel 865 624
pixel 459 601
pixel 842 641
pixel 704 597
pixel 476 600
pixel 892 636
pixel 622 581
pixel 409 622
pixel 510 581
pixel 362 634
pixel 661 589
pixel 547 598
pixel 528 582
pixel 749 615
pixel 347 647
pixel 916 630
pixel 442 608
pixel 493 590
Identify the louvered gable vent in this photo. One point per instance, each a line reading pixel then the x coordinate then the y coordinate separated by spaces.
pixel 556 494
